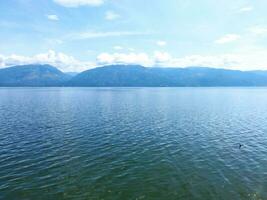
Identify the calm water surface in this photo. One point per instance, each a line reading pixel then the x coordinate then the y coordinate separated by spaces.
pixel 133 143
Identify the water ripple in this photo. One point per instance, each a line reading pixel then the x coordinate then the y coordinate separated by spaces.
pixel 133 143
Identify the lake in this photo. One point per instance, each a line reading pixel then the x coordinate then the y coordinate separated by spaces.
pixel 133 143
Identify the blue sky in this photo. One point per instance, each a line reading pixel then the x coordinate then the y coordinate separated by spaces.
pixel 75 35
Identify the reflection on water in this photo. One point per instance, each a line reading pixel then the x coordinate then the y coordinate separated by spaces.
pixel 133 143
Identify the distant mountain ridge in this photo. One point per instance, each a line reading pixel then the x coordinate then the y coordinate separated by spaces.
pixel 129 76
pixel 32 75
pixel 139 76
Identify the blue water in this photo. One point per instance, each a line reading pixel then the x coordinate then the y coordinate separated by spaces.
pixel 133 143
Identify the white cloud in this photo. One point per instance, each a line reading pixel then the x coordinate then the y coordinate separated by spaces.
pixel 161 43
pixel 246 9
pixel 258 30
pixel 118 48
pixel 52 17
pixel 218 61
pixel 245 59
pixel 228 38
pixel 92 34
pixel 239 60
pixel 77 3
pixel 60 60
pixel 162 57
pixel 121 48
pixel 53 41
pixel 111 15
pixel 123 58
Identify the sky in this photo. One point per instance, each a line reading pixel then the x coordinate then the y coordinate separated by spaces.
pixel 75 35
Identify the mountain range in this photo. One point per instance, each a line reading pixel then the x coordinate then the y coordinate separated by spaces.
pixel 129 76
pixel 33 75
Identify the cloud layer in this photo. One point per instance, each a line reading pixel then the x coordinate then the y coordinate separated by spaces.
pixel 241 60
pixel 111 15
pixel 246 9
pixel 161 43
pixel 228 38
pixel 92 34
pixel 238 60
pixel 60 60
pixel 52 17
pixel 77 3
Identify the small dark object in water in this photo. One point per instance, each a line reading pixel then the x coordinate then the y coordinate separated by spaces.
pixel 240 146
